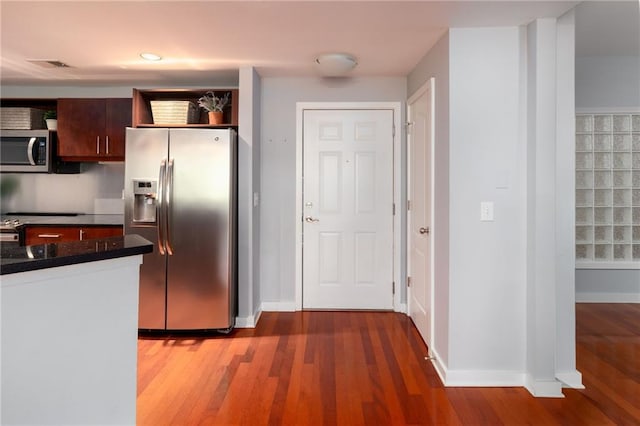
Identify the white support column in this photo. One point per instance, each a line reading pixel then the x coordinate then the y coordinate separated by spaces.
pixel 541 209
pixel 248 185
pixel 565 204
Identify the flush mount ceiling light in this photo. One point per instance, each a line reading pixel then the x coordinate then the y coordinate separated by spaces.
pixel 150 56
pixel 335 64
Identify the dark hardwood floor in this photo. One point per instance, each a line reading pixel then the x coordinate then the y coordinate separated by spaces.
pixel 368 368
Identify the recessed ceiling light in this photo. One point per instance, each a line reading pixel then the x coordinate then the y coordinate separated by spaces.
pixel 150 56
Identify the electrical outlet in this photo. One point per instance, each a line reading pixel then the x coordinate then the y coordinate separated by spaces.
pixel 486 211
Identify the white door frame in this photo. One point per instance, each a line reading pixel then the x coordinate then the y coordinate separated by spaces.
pixel 397 188
pixel 428 85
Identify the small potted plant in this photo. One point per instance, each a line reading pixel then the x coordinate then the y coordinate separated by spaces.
pixel 50 118
pixel 214 105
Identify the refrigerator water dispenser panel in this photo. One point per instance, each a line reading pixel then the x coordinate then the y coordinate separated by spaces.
pixel 145 194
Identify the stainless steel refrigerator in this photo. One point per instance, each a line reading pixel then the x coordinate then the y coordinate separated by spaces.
pixel 180 193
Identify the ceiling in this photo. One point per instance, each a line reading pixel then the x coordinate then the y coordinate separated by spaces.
pixel 101 40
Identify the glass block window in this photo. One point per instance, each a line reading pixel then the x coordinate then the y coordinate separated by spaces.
pixel 607 188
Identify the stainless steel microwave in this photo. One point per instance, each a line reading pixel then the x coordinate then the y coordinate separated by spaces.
pixel 31 151
pixel 25 151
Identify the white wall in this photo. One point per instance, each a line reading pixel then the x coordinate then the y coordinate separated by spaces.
pixel 608 286
pixel 487 259
pixel 278 151
pixel 500 129
pixel 52 91
pixel 608 84
pixel 436 64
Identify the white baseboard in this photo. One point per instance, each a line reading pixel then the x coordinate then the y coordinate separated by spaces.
pixel 402 308
pixel 279 306
pixel 484 378
pixel 246 322
pixel 440 367
pixel 290 306
pixel 602 297
pixel 250 321
pixel 544 388
pixel 476 378
pixel 570 379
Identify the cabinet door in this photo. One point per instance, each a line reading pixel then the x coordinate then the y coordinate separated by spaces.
pixel 94 232
pixel 118 118
pixel 50 234
pixel 81 124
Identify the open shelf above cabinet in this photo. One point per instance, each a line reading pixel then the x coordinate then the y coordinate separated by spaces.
pixel 143 116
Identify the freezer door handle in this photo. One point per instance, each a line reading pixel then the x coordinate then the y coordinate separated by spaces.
pixel 160 207
pixel 167 204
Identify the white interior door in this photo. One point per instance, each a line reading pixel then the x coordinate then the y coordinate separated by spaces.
pixel 347 258
pixel 419 137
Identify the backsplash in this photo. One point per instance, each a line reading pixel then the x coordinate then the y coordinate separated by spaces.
pixel 96 190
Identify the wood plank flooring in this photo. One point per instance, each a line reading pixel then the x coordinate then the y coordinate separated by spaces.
pixel 368 368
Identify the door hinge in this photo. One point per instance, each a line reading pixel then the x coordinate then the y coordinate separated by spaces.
pixel 408 205
pixel 408 281
pixel 393 131
pixel 393 287
pixel 408 126
pixel 394 209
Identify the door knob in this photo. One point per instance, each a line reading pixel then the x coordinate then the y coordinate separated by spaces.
pixel 310 219
pixel 424 230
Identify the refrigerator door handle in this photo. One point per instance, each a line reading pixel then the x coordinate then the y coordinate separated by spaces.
pixel 160 212
pixel 168 206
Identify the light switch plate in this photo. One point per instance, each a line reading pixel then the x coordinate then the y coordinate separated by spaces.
pixel 486 211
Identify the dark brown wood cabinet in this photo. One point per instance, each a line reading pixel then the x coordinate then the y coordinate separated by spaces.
pixel 58 234
pixel 93 129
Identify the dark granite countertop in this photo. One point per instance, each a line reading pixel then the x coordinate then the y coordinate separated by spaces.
pixel 14 258
pixel 67 220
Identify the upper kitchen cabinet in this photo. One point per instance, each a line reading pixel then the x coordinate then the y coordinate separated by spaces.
pixel 93 129
pixel 143 113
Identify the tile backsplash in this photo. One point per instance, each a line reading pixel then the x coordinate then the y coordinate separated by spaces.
pixel 96 190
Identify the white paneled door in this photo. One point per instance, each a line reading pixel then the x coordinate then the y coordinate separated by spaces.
pixel 347 209
pixel 419 137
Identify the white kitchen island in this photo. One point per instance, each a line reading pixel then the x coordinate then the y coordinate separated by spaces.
pixel 69 332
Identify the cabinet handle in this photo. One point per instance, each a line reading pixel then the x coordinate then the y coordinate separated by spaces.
pixel 81 234
pixel 49 235
pixel 107 144
pixel 97 144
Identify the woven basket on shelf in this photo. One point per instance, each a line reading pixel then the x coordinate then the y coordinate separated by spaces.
pixel 174 112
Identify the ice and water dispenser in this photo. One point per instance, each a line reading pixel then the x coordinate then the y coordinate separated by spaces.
pixel 144 201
